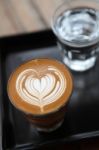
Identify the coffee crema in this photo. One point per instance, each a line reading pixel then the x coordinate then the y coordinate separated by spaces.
pixel 40 86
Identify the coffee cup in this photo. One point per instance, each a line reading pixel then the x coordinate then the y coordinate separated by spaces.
pixel 41 89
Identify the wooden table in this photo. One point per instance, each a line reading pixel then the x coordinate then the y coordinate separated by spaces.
pixel 19 16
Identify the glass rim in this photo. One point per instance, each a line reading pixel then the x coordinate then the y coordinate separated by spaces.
pixel 73 4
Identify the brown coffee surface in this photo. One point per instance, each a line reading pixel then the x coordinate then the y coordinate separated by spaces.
pixel 40 86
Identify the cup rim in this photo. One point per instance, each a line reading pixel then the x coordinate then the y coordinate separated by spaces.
pixel 48 113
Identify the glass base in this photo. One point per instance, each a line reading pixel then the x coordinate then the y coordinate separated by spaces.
pixel 50 129
pixel 80 65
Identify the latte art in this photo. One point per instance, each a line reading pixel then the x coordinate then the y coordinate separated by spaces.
pixel 41 87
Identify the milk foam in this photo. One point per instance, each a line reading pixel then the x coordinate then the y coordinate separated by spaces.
pixel 41 87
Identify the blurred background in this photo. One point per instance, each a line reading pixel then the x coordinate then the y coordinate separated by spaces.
pixel 19 16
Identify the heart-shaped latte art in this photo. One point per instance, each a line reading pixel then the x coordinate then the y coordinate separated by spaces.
pixel 41 88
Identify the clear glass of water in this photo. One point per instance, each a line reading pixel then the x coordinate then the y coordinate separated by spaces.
pixel 76 26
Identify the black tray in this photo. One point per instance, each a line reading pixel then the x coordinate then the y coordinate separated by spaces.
pixel 82 118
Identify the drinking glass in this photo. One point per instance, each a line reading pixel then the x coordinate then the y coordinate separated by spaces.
pixel 76 26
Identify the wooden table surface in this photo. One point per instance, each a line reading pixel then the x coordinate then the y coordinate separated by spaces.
pixel 19 16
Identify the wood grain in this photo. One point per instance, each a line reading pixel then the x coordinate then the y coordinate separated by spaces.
pixel 25 15
pixel 6 23
pixel 46 8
